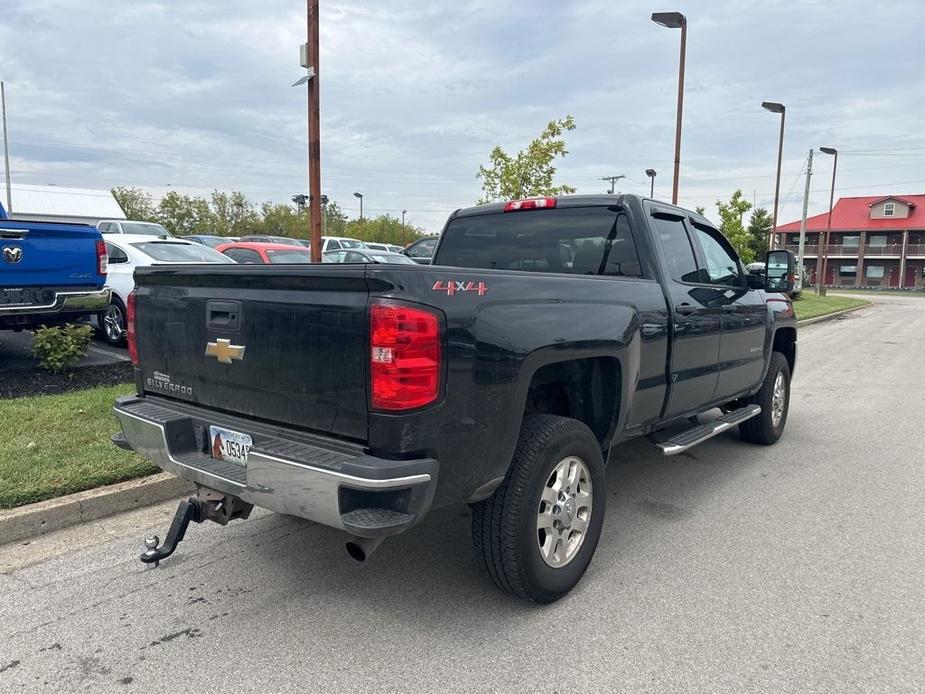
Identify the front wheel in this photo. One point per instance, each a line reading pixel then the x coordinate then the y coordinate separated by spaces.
pixel 112 323
pixel 537 533
pixel 774 398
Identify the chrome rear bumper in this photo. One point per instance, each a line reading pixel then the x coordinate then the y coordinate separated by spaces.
pixel 90 301
pixel 323 481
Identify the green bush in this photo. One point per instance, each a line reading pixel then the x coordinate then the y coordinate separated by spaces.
pixel 59 347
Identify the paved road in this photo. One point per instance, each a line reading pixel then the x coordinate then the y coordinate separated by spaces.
pixel 16 353
pixel 736 568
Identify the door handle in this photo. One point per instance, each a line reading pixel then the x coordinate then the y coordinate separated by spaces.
pixel 685 309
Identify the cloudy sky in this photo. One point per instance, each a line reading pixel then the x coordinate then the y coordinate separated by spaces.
pixel 194 95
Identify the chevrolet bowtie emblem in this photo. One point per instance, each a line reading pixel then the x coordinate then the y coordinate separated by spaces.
pixel 224 351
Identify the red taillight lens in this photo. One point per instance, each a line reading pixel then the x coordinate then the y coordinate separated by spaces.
pixel 404 357
pixel 130 329
pixel 102 258
pixel 530 204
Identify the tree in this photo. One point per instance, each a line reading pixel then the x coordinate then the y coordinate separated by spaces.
pixel 135 203
pixel 529 172
pixel 700 210
pixel 335 221
pixel 759 230
pixel 731 214
pixel 182 214
pixel 383 229
pixel 233 215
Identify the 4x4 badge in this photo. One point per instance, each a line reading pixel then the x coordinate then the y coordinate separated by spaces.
pixel 452 287
pixel 224 351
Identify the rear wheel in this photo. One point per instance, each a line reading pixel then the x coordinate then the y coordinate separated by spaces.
pixel 112 323
pixel 538 532
pixel 774 398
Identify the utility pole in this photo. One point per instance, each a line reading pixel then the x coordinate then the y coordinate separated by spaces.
pixel 613 180
pixel 798 285
pixel 6 153
pixel 314 132
pixel 403 225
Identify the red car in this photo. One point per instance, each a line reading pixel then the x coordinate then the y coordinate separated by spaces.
pixel 256 253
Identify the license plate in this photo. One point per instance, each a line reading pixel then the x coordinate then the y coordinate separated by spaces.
pixel 17 297
pixel 230 446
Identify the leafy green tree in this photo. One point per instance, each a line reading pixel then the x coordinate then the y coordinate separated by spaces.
pixel 731 214
pixel 183 214
pixel 233 215
pixel 529 172
pixel 383 229
pixel 135 203
pixel 335 220
pixel 700 210
pixel 759 230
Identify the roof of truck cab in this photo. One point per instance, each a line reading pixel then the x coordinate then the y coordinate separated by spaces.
pixel 561 201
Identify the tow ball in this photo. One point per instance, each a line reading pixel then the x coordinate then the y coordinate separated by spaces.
pixel 206 505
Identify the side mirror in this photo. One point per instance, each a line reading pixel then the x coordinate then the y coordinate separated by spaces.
pixel 780 271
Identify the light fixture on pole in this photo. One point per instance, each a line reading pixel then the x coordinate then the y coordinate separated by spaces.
pixel 676 20
pixel 360 196
pixel 651 174
pixel 775 107
pixel 823 254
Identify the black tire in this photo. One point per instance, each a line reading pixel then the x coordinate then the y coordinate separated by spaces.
pixel 762 429
pixel 504 526
pixel 117 308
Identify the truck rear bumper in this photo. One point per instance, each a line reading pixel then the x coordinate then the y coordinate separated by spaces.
pixel 77 301
pixel 321 480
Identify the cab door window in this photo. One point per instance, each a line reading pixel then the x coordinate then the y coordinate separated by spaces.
pixel 722 266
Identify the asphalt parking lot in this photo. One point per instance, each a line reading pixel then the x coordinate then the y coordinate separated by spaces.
pixel 733 568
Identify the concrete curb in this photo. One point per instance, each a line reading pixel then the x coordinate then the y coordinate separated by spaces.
pixel 831 316
pixel 46 516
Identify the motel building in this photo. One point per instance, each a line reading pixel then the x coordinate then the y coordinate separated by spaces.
pixel 875 241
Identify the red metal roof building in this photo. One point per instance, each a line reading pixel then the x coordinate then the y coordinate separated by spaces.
pixel 876 241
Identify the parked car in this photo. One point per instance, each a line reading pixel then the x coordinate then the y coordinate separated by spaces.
pixel 422 250
pixel 126 226
pixel 367 256
pixel 132 251
pixel 50 273
pixel 253 253
pixel 390 247
pixel 363 397
pixel 285 240
pixel 207 239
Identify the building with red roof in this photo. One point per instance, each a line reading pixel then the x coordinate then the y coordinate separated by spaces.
pixel 875 241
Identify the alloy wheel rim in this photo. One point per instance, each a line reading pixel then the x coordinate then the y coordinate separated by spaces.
pixel 564 512
pixel 778 399
pixel 112 323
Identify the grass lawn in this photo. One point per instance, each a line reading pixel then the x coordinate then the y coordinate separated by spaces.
pixel 811 305
pixel 58 444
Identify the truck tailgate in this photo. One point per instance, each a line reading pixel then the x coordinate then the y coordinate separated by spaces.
pixel 286 344
pixel 49 254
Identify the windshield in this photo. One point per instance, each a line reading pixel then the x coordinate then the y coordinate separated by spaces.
pixel 577 240
pixel 145 228
pixel 287 256
pixel 171 252
pixel 392 258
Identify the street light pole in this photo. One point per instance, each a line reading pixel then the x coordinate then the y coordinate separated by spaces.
pixel 6 153
pixel 775 107
pixel 809 174
pixel 823 254
pixel 360 196
pixel 403 224
pixel 314 132
pixel 676 20
pixel 651 174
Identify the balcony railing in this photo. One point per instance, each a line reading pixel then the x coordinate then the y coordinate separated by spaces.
pixel 915 249
pixel 892 249
pixel 812 251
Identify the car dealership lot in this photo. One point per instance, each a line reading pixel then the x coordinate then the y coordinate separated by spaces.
pixel 730 568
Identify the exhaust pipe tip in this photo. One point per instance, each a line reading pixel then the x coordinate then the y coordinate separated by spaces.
pixel 361 547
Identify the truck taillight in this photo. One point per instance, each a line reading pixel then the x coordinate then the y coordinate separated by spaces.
pixel 404 356
pixel 102 258
pixel 530 204
pixel 130 329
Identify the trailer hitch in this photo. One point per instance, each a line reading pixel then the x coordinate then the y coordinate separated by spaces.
pixel 206 505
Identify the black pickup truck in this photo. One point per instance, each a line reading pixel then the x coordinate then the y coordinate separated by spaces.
pixel 545 332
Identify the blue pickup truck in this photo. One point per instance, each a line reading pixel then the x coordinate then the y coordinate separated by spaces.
pixel 50 273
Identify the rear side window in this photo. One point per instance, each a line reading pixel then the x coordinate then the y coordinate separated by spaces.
pixel 116 254
pixel 287 256
pixel 244 255
pixel 422 249
pixel 677 249
pixel 581 241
